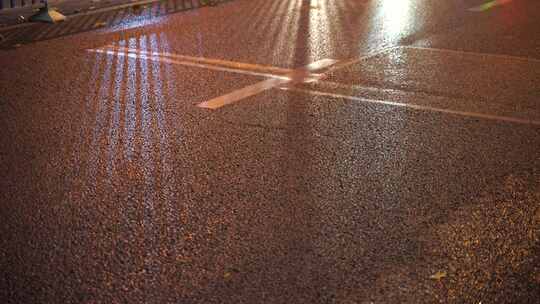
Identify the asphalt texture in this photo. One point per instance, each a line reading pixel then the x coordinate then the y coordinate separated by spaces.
pixel 407 173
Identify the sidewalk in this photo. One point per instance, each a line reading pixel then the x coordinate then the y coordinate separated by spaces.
pixel 12 16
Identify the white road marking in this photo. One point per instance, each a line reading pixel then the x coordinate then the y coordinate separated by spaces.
pixel 278 77
pixel 499 56
pixel 207 61
pixel 417 107
pixel 488 5
pixel 299 75
pixel 241 93
pixel 318 65
pixel 345 63
pixel 186 63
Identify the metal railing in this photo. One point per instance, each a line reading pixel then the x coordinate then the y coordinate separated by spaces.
pixel 22 32
pixel 6 4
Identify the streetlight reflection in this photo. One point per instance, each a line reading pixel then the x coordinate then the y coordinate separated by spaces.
pixel 319 28
pixel 397 17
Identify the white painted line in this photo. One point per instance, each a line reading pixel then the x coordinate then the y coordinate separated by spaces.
pixel 187 63
pixel 318 65
pixel 305 74
pixel 299 75
pixel 500 56
pixel 345 63
pixel 216 62
pixel 237 67
pixel 241 94
pixel 488 5
pixel 418 107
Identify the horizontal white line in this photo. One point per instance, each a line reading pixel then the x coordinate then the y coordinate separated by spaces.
pixel 216 62
pixel 418 107
pixel 187 63
pixel 500 56
pixel 346 63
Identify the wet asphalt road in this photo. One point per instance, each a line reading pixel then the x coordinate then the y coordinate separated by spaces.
pixel 410 175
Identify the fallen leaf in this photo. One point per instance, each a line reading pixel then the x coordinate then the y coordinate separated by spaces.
pixel 100 24
pixel 138 9
pixel 438 275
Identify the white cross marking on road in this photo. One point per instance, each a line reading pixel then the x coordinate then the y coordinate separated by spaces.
pixel 299 75
pixel 278 76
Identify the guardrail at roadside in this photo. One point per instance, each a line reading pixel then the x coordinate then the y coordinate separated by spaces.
pixel 6 4
pixel 45 14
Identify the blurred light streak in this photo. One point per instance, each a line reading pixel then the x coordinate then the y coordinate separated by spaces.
pixel 397 17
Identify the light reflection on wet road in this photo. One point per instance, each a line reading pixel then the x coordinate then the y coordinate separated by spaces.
pixel 411 175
